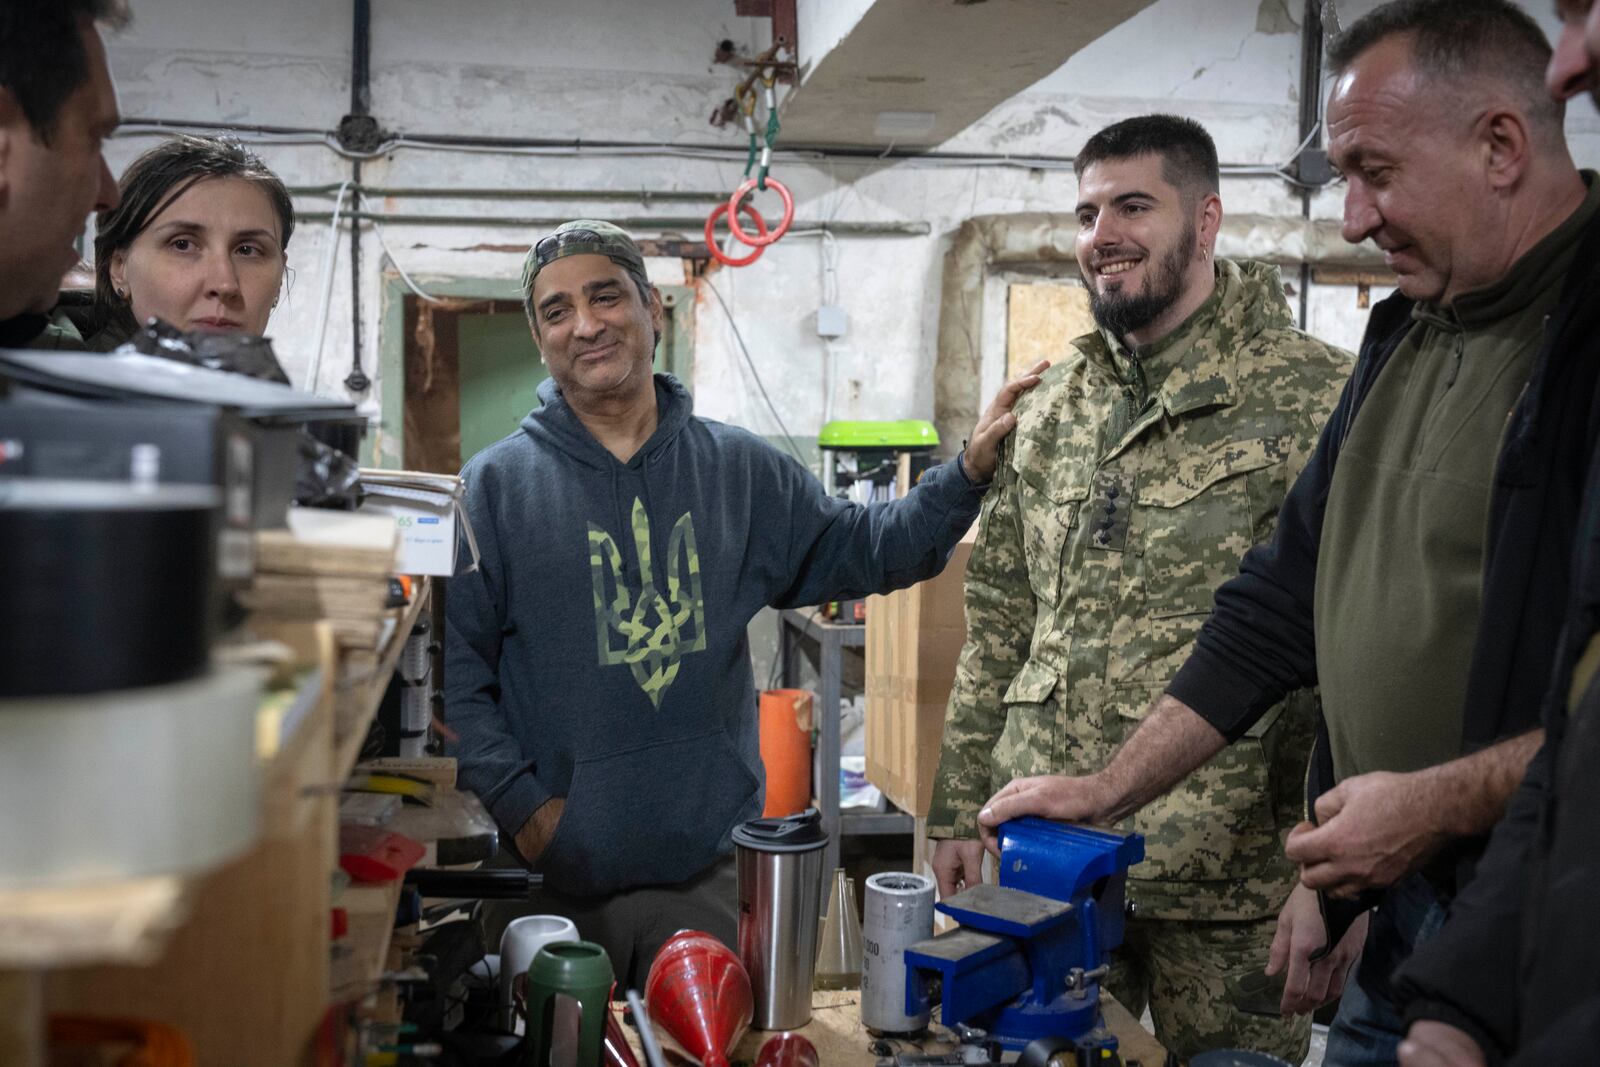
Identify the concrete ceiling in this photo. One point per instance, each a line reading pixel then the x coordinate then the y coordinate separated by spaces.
pixel 917 72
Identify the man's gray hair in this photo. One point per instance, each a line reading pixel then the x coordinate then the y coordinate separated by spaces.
pixel 1465 41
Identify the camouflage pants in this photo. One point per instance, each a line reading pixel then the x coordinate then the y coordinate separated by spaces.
pixel 1179 970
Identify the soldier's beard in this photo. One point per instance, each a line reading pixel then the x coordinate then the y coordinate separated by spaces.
pixel 1121 312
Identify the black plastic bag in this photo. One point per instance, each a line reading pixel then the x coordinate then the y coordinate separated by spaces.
pixel 327 477
pixel 238 353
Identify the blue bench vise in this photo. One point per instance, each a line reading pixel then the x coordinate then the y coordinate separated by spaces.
pixel 1027 960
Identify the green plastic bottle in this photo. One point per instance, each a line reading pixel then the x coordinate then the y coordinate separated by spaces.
pixel 569 993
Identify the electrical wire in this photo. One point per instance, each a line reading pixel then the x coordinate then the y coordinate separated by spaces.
pixel 384 244
pixel 829 264
pixel 1288 174
pixel 828 283
pixel 266 136
pixel 1294 156
pixel 334 233
pixel 745 351
pixel 335 236
pixel 829 287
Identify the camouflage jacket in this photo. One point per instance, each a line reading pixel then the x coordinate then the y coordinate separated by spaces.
pixel 1132 485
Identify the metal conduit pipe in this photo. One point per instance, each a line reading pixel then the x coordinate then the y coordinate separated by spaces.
pixel 415 192
pixel 793 153
pixel 357 381
pixel 690 224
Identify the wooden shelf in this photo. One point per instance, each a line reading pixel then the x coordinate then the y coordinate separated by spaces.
pixel 361 956
pixel 238 957
pixel 363 679
pixel 112 922
pixel 128 921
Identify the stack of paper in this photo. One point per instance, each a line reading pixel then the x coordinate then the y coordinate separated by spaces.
pixel 332 565
pixel 426 511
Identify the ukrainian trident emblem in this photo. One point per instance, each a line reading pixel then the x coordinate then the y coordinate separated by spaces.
pixel 656 630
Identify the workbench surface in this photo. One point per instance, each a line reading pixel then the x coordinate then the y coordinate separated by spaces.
pixel 835 1029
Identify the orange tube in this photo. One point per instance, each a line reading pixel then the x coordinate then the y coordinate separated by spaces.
pixel 786 750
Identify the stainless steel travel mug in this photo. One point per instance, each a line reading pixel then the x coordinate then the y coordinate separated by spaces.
pixel 780 898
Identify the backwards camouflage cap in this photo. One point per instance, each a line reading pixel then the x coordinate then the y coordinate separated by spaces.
pixel 582 237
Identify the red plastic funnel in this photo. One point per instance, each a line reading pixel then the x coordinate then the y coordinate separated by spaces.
pixel 699 993
pixel 787 1050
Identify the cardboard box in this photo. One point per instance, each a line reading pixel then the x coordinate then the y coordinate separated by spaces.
pixel 427 513
pixel 914 638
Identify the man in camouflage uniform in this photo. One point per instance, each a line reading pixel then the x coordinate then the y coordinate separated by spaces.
pixel 1145 464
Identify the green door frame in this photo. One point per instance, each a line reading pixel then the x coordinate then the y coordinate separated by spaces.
pixel 386 446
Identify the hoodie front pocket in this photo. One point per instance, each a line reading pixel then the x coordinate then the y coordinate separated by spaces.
pixel 654 814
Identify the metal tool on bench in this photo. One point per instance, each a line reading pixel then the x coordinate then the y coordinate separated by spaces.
pixel 1027 961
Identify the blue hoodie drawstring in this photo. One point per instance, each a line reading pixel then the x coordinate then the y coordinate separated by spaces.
pixel 629 565
pixel 649 510
pixel 644 470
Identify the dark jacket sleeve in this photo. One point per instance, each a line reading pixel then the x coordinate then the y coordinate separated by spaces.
pixel 1258 645
pixel 490 760
pixel 838 549
pixel 1465 974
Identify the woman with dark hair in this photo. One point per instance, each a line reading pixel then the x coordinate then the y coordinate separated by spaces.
pixel 198 240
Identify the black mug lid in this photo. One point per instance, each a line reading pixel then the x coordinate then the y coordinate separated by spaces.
pixel 788 833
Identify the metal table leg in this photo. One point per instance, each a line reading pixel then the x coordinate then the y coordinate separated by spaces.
pixel 832 639
pixel 828 754
pixel 788 652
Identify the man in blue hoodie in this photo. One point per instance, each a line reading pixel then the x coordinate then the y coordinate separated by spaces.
pixel 597 668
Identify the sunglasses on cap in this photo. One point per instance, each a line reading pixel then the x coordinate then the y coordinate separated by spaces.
pixel 550 247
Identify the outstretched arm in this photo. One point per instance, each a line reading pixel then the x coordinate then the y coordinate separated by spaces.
pixel 1170 743
pixel 838 549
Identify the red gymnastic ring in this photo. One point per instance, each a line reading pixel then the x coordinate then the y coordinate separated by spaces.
pixel 711 236
pixel 763 239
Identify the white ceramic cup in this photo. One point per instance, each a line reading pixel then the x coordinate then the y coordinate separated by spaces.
pixel 522 941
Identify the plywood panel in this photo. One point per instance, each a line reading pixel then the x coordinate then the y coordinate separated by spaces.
pixel 1041 317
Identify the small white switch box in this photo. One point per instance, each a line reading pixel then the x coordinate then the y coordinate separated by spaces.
pixel 832 321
